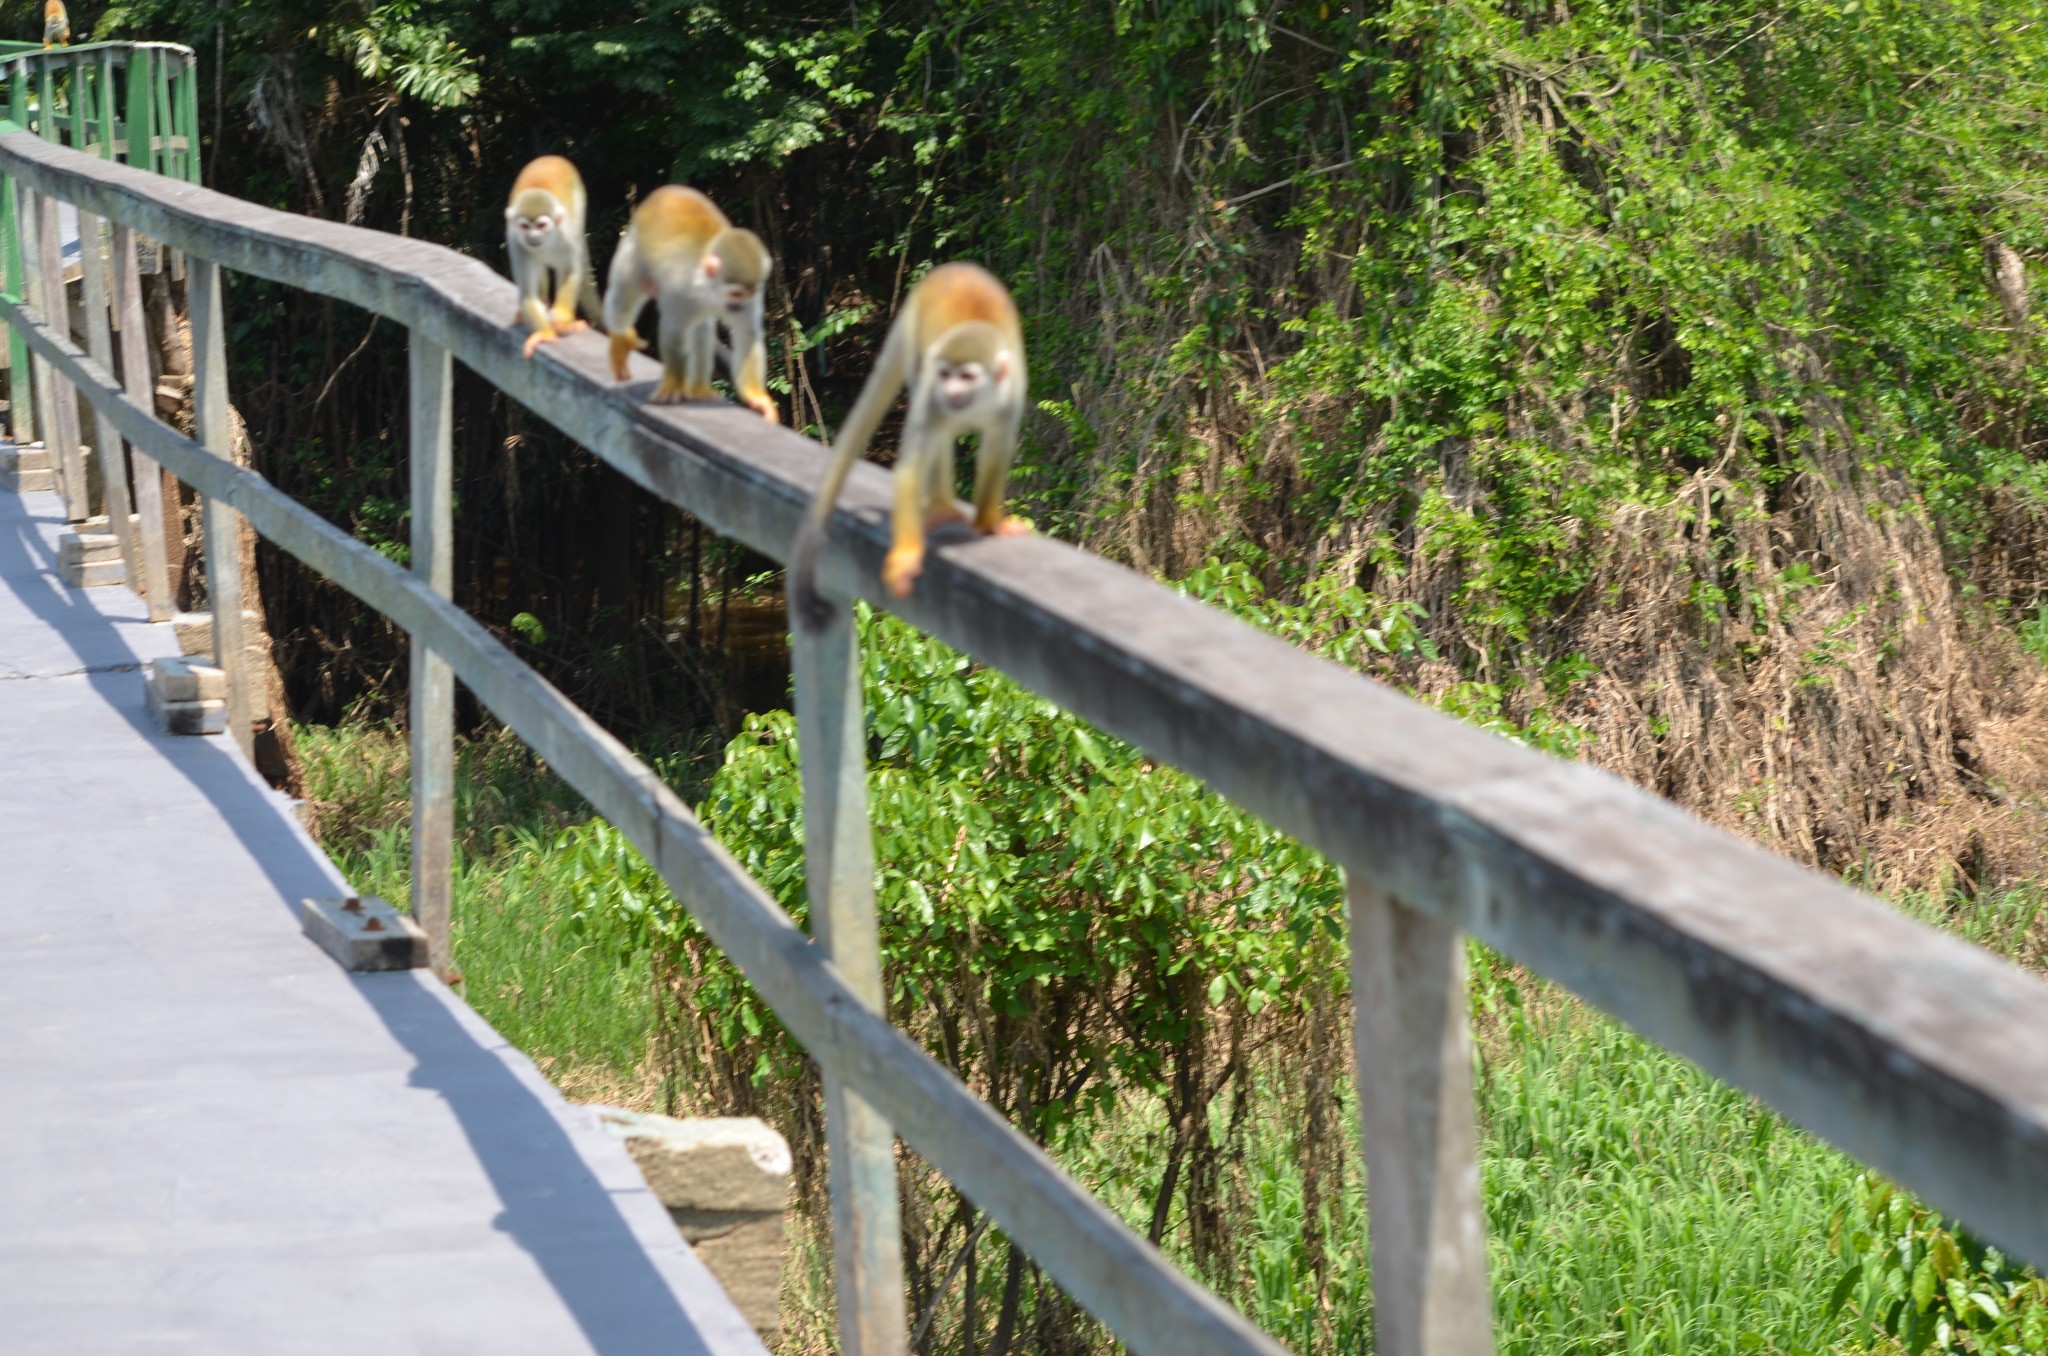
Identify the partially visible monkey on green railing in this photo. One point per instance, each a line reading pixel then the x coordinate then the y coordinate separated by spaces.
pixel 56 24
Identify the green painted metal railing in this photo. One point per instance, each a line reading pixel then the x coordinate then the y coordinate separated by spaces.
pixel 135 102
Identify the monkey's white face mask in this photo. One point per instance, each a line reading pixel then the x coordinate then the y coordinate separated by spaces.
pixel 959 388
pixel 535 232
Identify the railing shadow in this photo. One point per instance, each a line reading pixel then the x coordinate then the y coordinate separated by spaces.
pixel 554 1207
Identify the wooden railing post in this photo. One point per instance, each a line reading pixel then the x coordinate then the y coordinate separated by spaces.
pixel 61 428
pixel 223 526
pixel 155 578
pixel 99 341
pixel 1415 1113
pixel 431 713
pixel 21 368
pixel 839 871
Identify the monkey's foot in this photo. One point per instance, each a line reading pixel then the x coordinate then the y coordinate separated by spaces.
pixel 669 393
pixel 1005 526
pixel 702 390
pixel 765 407
pixel 624 343
pixel 900 569
pixel 940 515
pixel 569 324
pixel 539 337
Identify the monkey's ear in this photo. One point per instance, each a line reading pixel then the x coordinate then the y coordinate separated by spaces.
pixel 1001 366
pixel 510 213
pixel 712 265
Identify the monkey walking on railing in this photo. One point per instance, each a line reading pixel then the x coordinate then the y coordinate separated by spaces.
pixel 959 347
pixel 544 236
pixel 56 24
pixel 679 249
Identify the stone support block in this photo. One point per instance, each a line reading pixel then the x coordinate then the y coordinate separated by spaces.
pixel 186 698
pixel 363 932
pixel 89 555
pixel 194 631
pixel 725 1181
pixel 25 468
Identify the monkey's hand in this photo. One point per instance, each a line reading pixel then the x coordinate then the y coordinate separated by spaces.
pixel 625 342
pixel 900 569
pixel 539 337
pixel 764 405
pixel 669 392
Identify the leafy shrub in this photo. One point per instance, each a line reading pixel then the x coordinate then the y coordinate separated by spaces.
pixel 1928 1285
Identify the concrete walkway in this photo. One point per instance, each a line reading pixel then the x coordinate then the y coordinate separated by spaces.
pixel 214 1140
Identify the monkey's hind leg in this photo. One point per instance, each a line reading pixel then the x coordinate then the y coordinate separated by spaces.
pixel 701 349
pixel 672 389
pixel 675 385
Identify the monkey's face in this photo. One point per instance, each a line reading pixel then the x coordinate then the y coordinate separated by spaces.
pixel 960 386
pixel 535 232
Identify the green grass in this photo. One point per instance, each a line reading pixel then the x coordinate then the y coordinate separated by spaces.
pixel 578 998
pixel 1634 1204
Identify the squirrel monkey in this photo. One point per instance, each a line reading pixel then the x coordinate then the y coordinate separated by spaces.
pixel 56 24
pixel 544 236
pixel 958 346
pixel 680 249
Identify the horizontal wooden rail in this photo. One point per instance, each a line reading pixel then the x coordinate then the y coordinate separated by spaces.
pixel 1914 1051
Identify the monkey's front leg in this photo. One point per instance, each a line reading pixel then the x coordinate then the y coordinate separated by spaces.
pixel 905 561
pixel 536 317
pixel 941 506
pixel 564 312
pixel 991 480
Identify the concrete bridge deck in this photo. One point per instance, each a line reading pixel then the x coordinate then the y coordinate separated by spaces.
pixel 213 1139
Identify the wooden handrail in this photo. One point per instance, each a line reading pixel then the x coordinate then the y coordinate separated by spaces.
pixel 1912 1050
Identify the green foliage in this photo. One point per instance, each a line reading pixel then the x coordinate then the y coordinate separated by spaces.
pixel 1930 1286
pixel 2034 634
pixel 418 59
pixel 1028 868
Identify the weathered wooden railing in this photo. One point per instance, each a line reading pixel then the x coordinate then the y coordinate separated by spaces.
pixel 1914 1051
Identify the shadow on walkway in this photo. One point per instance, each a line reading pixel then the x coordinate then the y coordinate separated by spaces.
pixel 554 1205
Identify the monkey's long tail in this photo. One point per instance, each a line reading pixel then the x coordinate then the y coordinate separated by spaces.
pixel 808 607
pixel 591 303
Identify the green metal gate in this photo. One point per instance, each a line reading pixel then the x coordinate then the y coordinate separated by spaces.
pixel 135 102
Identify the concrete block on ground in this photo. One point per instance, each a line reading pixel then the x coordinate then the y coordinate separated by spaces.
pixel 89 555
pixel 186 698
pixel 25 468
pixel 725 1181
pixel 363 932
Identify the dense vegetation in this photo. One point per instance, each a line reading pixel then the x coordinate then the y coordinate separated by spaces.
pixel 1677 361
pixel 1659 384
